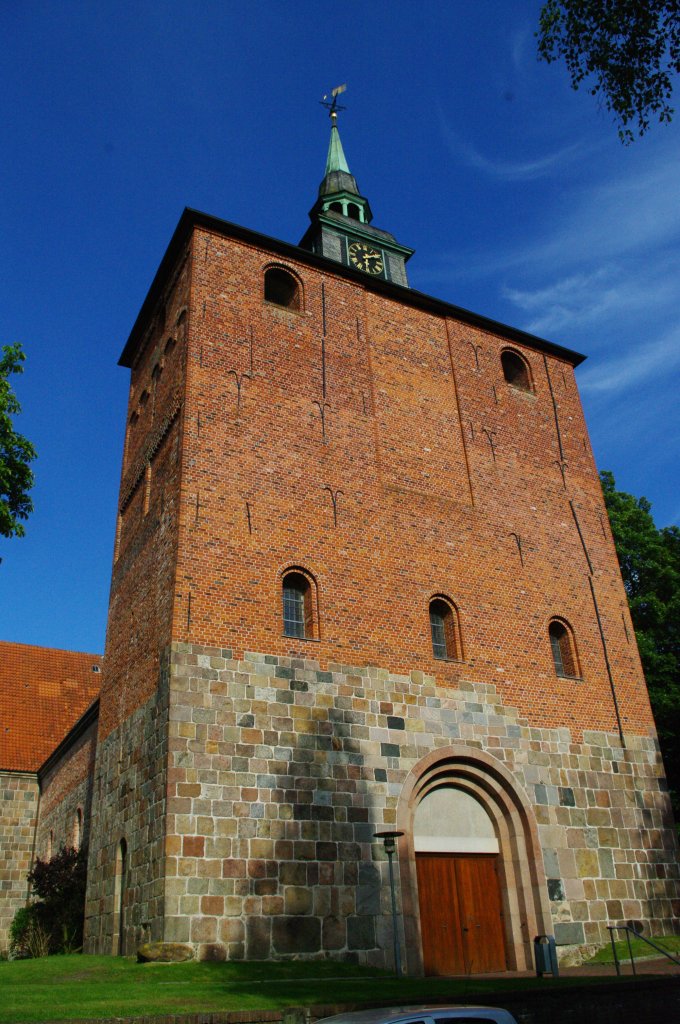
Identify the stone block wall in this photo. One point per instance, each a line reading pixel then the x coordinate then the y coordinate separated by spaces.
pixel 280 774
pixel 19 799
pixel 128 804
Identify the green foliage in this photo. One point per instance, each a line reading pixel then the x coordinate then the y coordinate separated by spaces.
pixel 16 453
pixel 59 884
pixel 27 937
pixel 18 932
pixel 629 50
pixel 650 566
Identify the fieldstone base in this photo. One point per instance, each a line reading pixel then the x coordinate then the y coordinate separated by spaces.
pixel 18 816
pixel 279 774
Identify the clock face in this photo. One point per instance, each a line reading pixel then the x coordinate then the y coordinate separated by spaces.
pixel 365 258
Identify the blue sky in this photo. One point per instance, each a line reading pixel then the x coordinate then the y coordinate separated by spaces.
pixel 514 190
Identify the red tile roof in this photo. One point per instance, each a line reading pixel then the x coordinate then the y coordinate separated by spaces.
pixel 43 693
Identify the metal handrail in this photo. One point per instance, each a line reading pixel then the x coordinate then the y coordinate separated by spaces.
pixel 611 928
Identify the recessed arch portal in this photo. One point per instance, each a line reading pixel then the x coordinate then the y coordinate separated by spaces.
pixel 466 822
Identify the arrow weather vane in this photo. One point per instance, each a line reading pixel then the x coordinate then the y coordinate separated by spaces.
pixel 332 105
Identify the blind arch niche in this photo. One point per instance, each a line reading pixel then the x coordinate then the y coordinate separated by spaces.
pixel 449 820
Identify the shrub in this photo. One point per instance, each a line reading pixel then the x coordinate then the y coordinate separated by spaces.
pixel 55 920
pixel 27 936
pixel 18 933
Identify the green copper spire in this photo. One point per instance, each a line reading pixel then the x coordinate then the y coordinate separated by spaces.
pixel 335 160
pixel 341 228
pixel 339 190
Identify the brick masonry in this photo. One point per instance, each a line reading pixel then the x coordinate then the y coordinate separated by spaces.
pixel 18 817
pixel 371 441
pixel 66 796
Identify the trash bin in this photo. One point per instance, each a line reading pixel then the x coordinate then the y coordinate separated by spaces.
pixel 545 955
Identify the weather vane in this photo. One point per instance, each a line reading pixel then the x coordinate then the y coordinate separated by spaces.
pixel 332 105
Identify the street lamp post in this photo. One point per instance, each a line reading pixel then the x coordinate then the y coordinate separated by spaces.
pixel 390 842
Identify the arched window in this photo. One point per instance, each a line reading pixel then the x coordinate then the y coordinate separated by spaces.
pixel 299 597
pixel 516 370
pixel 445 630
pixel 337 207
pixel 563 650
pixel 353 211
pixel 281 288
pixel 77 829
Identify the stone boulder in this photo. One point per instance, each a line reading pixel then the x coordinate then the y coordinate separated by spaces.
pixel 164 953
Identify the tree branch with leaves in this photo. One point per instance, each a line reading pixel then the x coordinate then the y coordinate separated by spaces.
pixel 650 567
pixel 16 452
pixel 628 51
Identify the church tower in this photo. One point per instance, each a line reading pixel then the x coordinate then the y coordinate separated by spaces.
pixel 363 583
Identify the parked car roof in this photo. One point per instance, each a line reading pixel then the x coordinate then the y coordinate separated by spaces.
pixel 429 1014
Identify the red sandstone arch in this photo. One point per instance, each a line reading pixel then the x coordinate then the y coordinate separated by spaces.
pixel 526 911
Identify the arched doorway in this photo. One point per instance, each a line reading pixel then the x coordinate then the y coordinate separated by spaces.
pixel 461 915
pixel 473 885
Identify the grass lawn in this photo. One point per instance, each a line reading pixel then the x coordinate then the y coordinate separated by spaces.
pixel 671 943
pixel 71 987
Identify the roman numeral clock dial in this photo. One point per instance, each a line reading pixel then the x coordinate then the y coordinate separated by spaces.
pixel 365 258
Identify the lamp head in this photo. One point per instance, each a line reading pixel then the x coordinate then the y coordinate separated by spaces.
pixel 389 839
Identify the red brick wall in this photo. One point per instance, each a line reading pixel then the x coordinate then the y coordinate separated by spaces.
pixel 143 570
pixel 129 795
pixel 413 404
pixel 64 789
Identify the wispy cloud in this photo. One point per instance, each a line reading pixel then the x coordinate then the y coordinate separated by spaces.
pixel 520 44
pixel 632 214
pixel 593 296
pixel 648 359
pixel 509 170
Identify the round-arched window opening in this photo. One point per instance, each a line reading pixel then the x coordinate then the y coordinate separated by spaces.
pixel 563 650
pixel 444 630
pixel 353 211
pixel 516 371
pixel 337 207
pixel 298 597
pixel 281 288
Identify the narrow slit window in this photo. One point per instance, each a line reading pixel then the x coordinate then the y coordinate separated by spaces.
pixel 77 829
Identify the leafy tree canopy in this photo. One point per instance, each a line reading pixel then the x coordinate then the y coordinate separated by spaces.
pixel 16 452
pixel 650 566
pixel 629 50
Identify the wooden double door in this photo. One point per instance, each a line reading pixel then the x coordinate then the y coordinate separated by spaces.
pixel 461 918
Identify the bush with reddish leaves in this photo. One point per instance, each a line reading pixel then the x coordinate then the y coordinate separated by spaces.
pixel 58 912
